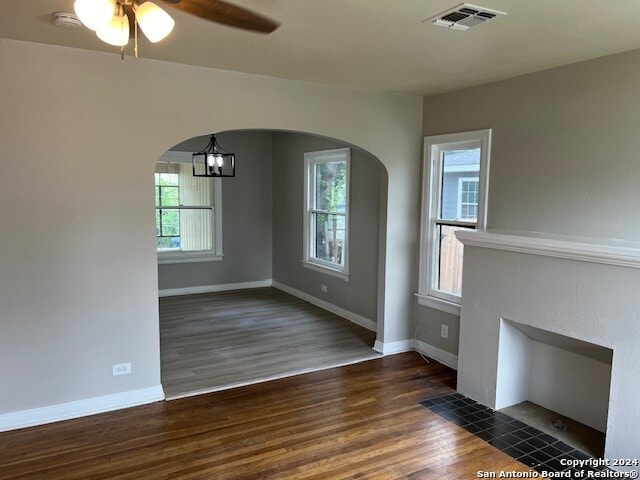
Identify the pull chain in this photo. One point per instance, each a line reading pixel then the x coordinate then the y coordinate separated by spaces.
pixel 135 34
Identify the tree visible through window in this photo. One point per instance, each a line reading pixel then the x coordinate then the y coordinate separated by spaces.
pixel 167 219
pixel 329 210
pixel 326 224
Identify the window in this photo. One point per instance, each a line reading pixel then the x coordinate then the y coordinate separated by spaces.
pixel 326 222
pixel 468 197
pixel 188 227
pixel 456 172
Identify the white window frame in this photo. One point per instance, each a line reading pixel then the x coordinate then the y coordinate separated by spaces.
pixel 214 255
pixel 459 204
pixel 434 147
pixel 309 261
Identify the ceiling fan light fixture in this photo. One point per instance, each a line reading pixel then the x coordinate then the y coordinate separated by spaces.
pixel 116 32
pixel 155 23
pixel 94 14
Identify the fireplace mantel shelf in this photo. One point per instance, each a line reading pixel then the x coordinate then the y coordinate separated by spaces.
pixel 594 250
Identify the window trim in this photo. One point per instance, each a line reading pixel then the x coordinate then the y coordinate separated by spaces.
pixel 434 145
pixel 308 261
pixel 214 255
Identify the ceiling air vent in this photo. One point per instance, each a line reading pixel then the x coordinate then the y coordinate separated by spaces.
pixel 463 17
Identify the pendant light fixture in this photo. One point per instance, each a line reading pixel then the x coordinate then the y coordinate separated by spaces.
pixel 214 161
pixel 110 20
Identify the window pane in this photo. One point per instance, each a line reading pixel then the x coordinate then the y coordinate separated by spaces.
pixel 169 196
pixel 330 187
pixel 329 237
pixel 450 260
pixel 196 230
pixel 170 223
pixel 194 191
pixel 185 230
pixel 468 195
pixel 167 179
pixel 457 165
pixel 168 243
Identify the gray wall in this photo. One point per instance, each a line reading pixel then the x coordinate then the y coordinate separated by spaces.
pixel 78 279
pixel 564 157
pixel 246 217
pixel 359 294
pixel 262 221
pixel 591 302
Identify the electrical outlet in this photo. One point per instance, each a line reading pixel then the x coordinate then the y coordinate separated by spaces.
pixel 444 331
pixel 121 369
pixel 323 288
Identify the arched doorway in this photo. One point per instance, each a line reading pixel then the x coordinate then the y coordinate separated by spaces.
pixel 262 223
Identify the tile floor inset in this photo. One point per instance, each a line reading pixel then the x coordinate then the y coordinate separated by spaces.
pixel 534 448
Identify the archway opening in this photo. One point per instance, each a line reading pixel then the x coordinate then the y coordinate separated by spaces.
pixel 255 277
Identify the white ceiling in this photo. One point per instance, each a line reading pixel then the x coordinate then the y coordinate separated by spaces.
pixel 371 44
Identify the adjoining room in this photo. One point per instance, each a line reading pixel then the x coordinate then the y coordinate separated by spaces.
pixel 242 260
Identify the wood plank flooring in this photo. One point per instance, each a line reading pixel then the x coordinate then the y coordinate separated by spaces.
pixel 214 341
pixel 359 421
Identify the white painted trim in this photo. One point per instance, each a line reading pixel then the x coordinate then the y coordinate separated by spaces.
pixel 172 292
pixel 439 355
pixel 352 317
pixel 391 348
pixel 183 257
pixel 594 250
pixel 311 159
pixel 326 270
pixel 439 304
pixel 434 146
pixel 80 408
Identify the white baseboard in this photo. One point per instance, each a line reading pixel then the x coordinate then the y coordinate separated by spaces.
pixel 79 408
pixel 446 358
pixel 391 348
pixel 172 292
pixel 352 317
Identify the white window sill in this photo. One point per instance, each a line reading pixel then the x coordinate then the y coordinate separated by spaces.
pixel 328 270
pixel 439 304
pixel 187 257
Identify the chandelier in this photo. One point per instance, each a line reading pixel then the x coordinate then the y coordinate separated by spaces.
pixel 214 161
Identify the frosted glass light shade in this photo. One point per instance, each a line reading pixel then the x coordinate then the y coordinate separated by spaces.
pixel 155 23
pixel 116 33
pixel 94 14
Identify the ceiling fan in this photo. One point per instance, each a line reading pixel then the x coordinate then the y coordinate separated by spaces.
pixel 115 21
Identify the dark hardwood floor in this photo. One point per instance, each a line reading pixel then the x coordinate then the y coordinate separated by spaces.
pixel 359 421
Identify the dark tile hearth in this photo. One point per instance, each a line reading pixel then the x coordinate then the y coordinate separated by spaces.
pixel 534 448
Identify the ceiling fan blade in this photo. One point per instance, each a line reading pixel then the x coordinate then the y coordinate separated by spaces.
pixel 225 13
